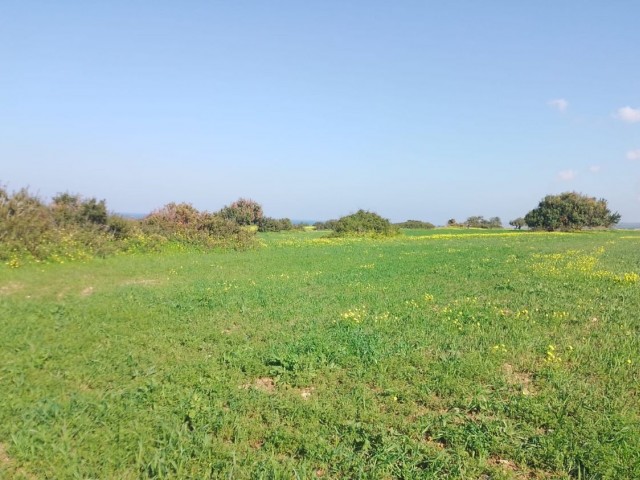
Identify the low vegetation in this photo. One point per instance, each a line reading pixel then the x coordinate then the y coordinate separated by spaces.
pixel 440 353
pixel 436 354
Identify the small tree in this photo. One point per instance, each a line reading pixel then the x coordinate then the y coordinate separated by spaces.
pixel 364 223
pixel 243 212
pixel 517 223
pixel 571 211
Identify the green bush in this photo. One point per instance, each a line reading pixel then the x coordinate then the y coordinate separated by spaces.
pixel 415 224
pixel 243 212
pixel 328 225
pixel 183 223
pixel 268 224
pixel 364 223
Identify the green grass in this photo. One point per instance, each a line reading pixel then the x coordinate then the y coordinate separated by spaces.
pixel 437 354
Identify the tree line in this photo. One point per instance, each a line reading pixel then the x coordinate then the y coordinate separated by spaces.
pixel 71 226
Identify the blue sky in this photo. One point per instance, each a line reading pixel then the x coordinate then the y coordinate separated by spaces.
pixel 415 110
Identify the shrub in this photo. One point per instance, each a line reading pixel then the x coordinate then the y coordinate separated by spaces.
pixel 183 223
pixel 268 224
pixel 71 209
pixel 25 223
pixel 68 228
pixel 453 223
pixel 416 224
pixel 364 223
pixel 243 212
pixel 328 225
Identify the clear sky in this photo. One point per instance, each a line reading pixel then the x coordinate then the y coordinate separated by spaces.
pixel 414 109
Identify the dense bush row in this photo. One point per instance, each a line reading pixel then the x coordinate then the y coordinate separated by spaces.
pixel 72 227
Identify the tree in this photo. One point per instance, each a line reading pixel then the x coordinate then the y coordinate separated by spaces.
pixel 517 223
pixel 364 223
pixel 571 211
pixel 479 221
pixel 243 212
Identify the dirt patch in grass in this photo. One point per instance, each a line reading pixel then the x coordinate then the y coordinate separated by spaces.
pixel 509 466
pixel 10 288
pixel 523 380
pixel 517 472
pixel 142 281
pixel 263 384
pixel 4 457
pixel 305 393
pixel 7 462
pixel 86 291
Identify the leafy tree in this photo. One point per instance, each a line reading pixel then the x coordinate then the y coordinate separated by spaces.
pixel 364 223
pixel 452 223
pixel 517 223
pixel 494 222
pixel 243 212
pixel 571 211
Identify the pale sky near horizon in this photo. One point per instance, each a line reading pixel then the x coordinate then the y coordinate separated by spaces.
pixel 413 109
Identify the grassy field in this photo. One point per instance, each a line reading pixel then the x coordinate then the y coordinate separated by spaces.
pixel 437 354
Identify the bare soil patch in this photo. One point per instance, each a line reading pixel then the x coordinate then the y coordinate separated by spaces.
pixel 523 380
pixel 263 384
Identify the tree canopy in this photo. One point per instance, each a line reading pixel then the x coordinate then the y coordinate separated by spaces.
pixel 571 211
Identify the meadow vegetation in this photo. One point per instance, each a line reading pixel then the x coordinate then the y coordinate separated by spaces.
pixel 442 353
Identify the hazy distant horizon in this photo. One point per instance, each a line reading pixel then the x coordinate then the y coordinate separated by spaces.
pixel 621 225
